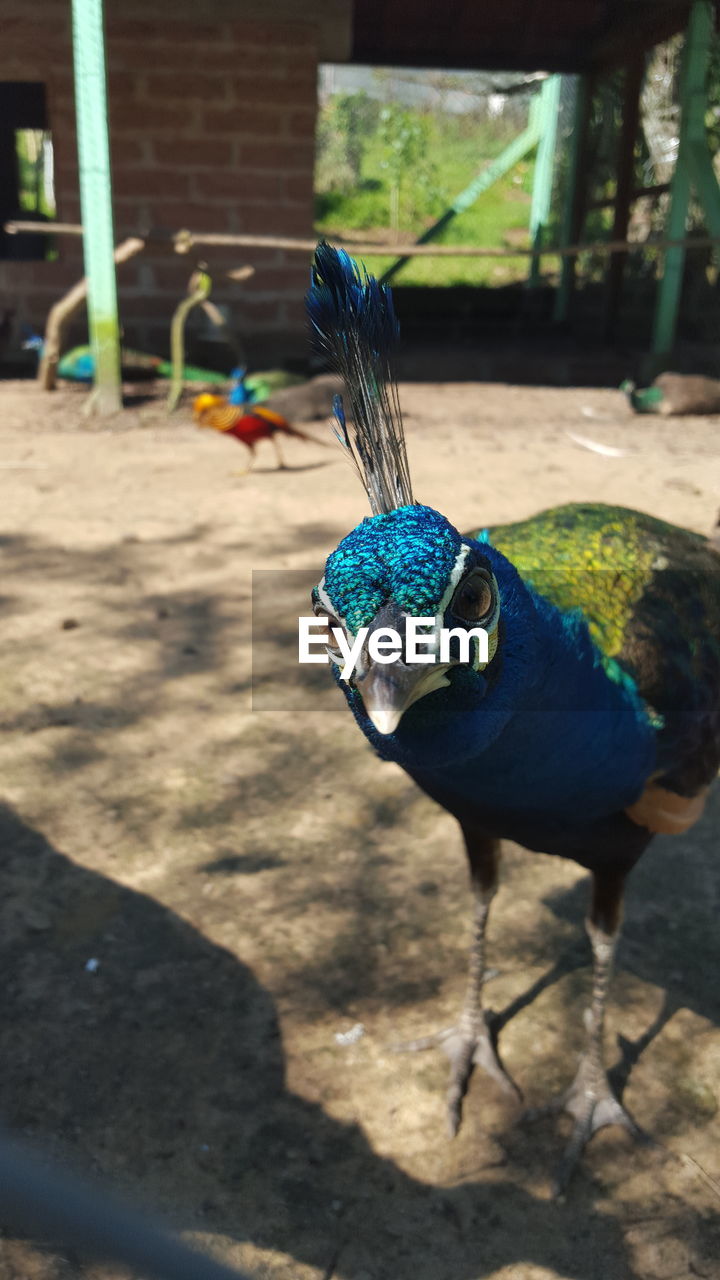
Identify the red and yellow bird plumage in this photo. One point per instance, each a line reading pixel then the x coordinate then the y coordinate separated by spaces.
pixel 248 425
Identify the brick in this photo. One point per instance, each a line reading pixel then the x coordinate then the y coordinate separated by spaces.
pixel 149 119
pixel 150 306
pixel 302 123
pixel 277 155
pixel 266 89
pixel 125 85
pixel 272 219
pixel 261 310
pixel 299 187
pixel 126 152
pixel 141 31
pixel 240 187
pixel 193 215
pixel 196 153
pixel 282 280
pixel 170 183
pixel 168 86
pixel 295 35
pixel 244 120
pixel 293 312
pixel 172 277
pixel 23 38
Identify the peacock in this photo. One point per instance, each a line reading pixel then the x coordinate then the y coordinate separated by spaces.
pixel 296 398
pixel 256 388
pixel 78 364
pixel 675 393
pixel 575 708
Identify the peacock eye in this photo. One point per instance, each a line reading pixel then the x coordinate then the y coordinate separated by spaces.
pixel 473 599
pixel 321 612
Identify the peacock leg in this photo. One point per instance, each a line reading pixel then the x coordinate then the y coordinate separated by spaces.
pixel 590 1099
pixel 282 465
pixel 471 1043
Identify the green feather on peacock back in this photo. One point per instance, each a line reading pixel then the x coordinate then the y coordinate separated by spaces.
pixel 592 557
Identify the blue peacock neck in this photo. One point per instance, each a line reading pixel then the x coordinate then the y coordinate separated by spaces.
pixel 547 726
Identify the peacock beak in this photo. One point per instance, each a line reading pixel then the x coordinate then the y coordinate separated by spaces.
pixel 388 690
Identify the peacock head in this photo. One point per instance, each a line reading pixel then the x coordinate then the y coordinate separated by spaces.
pixel 396 567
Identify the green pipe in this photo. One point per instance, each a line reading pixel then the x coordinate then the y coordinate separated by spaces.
pixel 544 168
pixel 96 201
pixel 568 230
pixel 693 167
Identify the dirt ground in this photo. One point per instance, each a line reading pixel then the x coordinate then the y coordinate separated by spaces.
pixel 250 882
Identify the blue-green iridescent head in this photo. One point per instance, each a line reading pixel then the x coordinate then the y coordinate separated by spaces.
pixel 408 563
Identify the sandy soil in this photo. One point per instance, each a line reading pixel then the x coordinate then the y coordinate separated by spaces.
pixel 252 881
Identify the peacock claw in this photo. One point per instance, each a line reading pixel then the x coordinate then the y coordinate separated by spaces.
pixel 466 1048
pixel 593 1105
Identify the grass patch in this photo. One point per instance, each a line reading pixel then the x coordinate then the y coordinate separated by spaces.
pixel 456 150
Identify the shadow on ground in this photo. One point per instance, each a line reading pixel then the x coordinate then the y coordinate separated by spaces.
pixel 164 1071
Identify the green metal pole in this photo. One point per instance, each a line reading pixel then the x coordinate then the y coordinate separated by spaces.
pixel 96 201
pixel 544 168
pixel 693 166
pixel 507 159
pixel 568 229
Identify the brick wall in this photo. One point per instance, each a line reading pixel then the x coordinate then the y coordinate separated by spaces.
pixel 212 128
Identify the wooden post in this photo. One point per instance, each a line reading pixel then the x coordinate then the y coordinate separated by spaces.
pixel 66 306
pixel 634 75
pixel 96 201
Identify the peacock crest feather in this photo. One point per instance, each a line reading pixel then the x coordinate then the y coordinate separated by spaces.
pixel 354 327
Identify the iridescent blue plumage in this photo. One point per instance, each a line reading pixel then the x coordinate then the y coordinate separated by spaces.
pixel 595 721
pixel 526 734
pixel 406 555
pixel 347 304
pixel 354 328
pixel 239 393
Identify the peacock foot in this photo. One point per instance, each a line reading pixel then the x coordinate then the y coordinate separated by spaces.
pixel 593 1105
pixel 470 1044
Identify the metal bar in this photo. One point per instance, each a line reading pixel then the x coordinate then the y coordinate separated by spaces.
pixel 660 189
pixel 634 76
pixel 96 201
pixel 571 214
pixel 693 102
pixel 544 168
pixel 703 177
pixel 507 159
pixel 383 250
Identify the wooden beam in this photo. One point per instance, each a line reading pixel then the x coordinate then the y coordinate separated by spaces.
pixel 381 250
